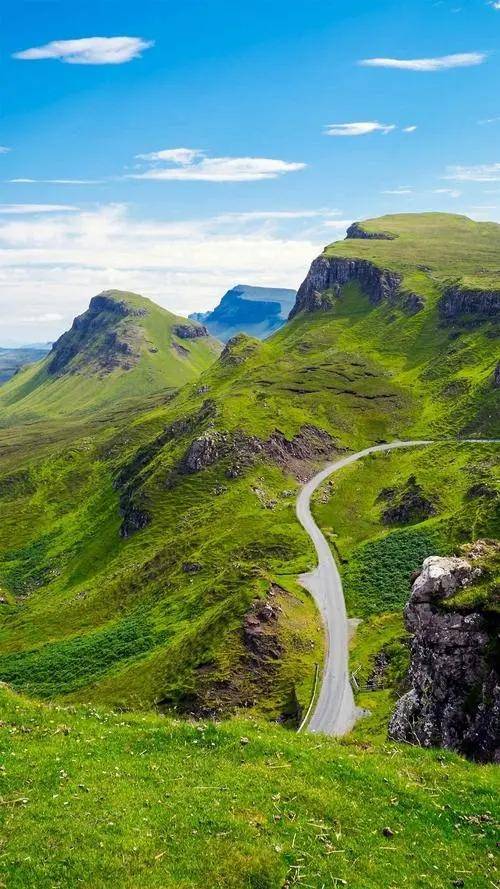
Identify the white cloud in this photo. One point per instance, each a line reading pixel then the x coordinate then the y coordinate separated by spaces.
pixel 279 215
pixel 191 164
pixel 25 181
pixel 4 149
pixel 451 192
pixel 402 190
pixel 54 263
pixel 173 155
pixel 439 63
pixel 89 50
pixel 495 4
pixel 409 129
pixel 26 209
pixel 360 128
pixel 489 120
pixel 479 173
pixel 45 318
pixel 341 224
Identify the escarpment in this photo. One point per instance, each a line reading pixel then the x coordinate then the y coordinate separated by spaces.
pixel 458 300
pixel 454 695
pixel 329 274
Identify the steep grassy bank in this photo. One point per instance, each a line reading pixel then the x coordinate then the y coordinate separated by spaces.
pixel 132 799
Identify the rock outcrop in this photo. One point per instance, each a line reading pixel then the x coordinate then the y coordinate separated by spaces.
pixel 356 231
pixel 457 300
pixel 454 695
pixel 189 331
pixel 329 273
pixel 294 455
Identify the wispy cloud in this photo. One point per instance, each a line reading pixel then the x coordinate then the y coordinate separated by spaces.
pixel 25 181
pixel 27 209
pixel 191 164
pixel 359 128
pixel 89 50
pixel 45 318
pixel 478 173
pixel 4 149
pixel 401 190
pixel 278 215
pixel 495 4
pixel 438 63
pixel 488 120
pixel 410 129
pixel 451 192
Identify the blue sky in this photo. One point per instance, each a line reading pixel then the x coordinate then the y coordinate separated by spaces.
pixel 408 92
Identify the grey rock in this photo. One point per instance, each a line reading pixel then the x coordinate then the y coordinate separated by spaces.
pixel 454 695
pixel 332 273
pixel 457 300
pixel 189 331
pixel 357 231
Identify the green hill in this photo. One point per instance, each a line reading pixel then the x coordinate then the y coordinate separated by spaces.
pixel 123 346
pixel 140 539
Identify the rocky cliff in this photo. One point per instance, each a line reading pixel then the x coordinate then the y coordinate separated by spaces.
pixel 454 695
pixel 328 274
pixel 457 300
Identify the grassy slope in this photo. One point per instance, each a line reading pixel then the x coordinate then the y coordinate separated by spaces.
pixel 35 394
pixel 136 800
pixel 430 249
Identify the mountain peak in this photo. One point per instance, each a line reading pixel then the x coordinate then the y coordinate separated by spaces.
pixel 105 337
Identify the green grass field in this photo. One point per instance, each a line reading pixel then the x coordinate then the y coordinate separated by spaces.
pixel 95 799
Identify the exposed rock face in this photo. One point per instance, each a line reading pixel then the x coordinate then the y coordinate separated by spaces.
pixel 457 300
pixel 356 231
pixel 204 451
pixel 189 331
pixel 454 699
pixel 331 273
pixel 242 450
pixel 116 349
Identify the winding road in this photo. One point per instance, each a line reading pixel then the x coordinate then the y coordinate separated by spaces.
pixel 334 710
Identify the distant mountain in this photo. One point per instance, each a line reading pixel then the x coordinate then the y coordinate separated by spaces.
pixel 256 311
pixel 12 359
pixel 123 346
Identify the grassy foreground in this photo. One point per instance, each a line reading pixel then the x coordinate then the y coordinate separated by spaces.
pixel 93 799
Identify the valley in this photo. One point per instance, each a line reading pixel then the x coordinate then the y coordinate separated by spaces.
pixel 151 564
